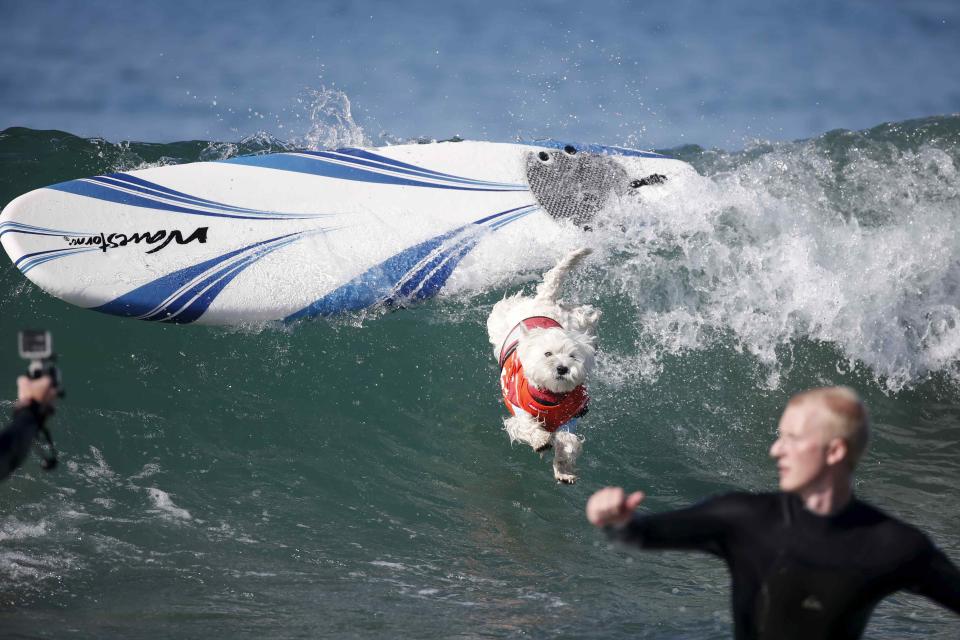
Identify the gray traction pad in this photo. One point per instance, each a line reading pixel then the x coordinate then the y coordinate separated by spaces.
pixel 574 186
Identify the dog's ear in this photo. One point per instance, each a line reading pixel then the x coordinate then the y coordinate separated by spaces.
pixel 588 339
pixel 524 331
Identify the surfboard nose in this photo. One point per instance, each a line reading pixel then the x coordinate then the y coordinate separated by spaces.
pixel 32 235
pixel 16 224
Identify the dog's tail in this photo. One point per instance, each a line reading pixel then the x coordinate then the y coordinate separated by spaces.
pixel 550 287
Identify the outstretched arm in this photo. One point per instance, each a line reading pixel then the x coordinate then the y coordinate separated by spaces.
pixel 938 579
pixel 704 526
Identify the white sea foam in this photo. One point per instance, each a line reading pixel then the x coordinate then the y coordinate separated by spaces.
pixel 163 505
pixel 13 529
pixel 149 469
pixel 781 246
pixel 94 472
pixel 330 119
pixel 767 254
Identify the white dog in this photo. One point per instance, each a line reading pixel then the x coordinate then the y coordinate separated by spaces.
pixel 545 350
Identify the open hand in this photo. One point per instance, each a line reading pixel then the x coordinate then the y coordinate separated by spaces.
pixel 612 506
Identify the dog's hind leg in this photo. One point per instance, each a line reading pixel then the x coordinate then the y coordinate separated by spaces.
pixel 527 430
pixel 567 447
pixel 549 289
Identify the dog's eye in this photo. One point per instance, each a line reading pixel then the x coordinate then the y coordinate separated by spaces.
pixel 573 357
pixel 548 354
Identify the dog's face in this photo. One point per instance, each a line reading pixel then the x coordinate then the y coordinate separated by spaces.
pixel 554 359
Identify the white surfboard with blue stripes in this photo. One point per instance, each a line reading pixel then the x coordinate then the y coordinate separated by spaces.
pixel 296 235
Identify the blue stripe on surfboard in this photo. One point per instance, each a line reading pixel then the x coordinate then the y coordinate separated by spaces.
pixel 530 207
pixel 190 304
pixel 165 297
pixel 375 285
pixel 414 173
pixel 367 158
pixel 55 254
pixel 64 250
pixel 428 281
pixel 100 191
pixel 405 276
pixel 320 167
pixel 148 188
pixel 416 273
pixel 502 222
pixel 29 229
pixel 194 302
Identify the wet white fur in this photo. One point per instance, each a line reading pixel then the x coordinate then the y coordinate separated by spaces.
pixel 572 346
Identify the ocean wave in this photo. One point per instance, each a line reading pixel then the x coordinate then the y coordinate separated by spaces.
pixel 845 239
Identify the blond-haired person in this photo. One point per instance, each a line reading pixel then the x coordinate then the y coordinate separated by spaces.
pixel 810 561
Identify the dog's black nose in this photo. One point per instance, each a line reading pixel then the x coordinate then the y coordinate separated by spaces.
pixel 562 370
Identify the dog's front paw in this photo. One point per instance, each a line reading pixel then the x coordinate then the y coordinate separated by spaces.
pixel 564 478
pixel 541 440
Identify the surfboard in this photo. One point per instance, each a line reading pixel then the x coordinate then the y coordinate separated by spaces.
pixel 296 235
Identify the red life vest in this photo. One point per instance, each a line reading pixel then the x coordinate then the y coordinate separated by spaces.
pixel 552 409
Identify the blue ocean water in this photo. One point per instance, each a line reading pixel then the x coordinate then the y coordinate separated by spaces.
pixel 651 74
pixel 348 478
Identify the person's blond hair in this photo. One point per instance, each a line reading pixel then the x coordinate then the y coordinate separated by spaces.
pixel 842 415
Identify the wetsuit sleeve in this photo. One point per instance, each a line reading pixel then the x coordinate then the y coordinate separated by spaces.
pixel 706 526
pixel 937 578
pixel 16 439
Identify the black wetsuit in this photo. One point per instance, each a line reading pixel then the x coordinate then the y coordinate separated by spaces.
pixel 16 439
pixel 797 574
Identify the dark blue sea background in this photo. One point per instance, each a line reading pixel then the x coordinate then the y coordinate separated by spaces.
pixel 348 478
pixel 652 74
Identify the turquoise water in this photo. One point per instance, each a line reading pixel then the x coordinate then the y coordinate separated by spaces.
pixel 349 478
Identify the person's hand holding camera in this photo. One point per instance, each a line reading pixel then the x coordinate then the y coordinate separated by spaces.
pixel 37 393
pixel 40 390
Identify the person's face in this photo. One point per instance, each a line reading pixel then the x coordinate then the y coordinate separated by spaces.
pixel 800 449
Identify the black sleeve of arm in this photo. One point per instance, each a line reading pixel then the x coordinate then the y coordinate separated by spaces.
pixel 938 579
pixel 16 439
pixel 704 526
